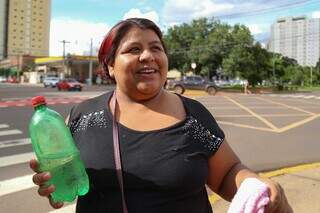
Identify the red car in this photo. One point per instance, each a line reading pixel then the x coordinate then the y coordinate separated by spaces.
pixel 69 84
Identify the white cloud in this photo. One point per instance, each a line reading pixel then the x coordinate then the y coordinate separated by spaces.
pixel 136 13
pixel 316 14
pixel 178 11
pixel 255 28
pixel 77 32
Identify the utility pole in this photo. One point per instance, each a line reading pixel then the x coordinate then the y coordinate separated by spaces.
pixel 311 76
pixel 90 64
pixel 64 42
pixel 273 65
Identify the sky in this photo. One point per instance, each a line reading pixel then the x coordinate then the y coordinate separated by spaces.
pixel 80 21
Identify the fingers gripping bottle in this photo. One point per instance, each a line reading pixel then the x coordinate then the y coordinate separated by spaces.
pixel 55 149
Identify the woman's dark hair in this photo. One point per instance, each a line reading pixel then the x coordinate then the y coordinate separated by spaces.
pixel 112 40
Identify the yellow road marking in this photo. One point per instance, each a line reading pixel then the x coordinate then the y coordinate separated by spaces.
pixel 273 127
pixel 214 197
pixel 285 105
pixel 289 170
pixel 246 126
pixel 299 123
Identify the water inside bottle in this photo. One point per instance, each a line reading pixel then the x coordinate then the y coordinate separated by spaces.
pixel 64 176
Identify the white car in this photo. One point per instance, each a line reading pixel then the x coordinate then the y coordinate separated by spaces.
pixel 50 81
pixel 3 79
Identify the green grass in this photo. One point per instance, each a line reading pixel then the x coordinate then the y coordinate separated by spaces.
pixel 309 89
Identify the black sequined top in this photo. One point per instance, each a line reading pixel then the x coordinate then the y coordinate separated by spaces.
pixel 163 170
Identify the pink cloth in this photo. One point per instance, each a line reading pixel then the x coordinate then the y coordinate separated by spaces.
pixel 251 197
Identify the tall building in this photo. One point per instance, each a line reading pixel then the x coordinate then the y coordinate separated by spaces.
pixel 28 27
pixel 298 38
pixel 3 28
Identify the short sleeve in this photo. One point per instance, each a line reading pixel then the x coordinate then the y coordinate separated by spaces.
pixel 203 127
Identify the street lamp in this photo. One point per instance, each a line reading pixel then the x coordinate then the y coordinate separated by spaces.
pixel 193 66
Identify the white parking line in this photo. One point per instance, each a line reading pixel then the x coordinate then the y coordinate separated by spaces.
pixel 16 159
pixel 10 132
pixel 16 184
pixel 308 97
pixel 4 126
pixel 18 142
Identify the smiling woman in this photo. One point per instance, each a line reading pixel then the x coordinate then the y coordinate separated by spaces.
pixel 141 65
pixel 146 149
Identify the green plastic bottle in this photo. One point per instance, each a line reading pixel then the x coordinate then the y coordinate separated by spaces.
pixel 56 152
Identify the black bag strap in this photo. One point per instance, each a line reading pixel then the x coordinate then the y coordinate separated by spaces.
pixel 116 150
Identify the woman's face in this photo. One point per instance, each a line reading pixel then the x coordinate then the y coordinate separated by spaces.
pixel 141 65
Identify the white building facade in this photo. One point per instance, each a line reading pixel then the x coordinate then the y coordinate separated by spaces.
pixel 3 28
pixel 298 38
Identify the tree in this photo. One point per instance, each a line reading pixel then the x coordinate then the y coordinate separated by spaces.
pixel 318 64
pixel 248 62
pixel 205 42
pixel 218 46
pixel 177 40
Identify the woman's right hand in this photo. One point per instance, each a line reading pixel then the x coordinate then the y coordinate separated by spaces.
pixel 40 178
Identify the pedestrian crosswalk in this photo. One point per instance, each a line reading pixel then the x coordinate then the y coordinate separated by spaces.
pixel 50 101
pixel 17 184
pixel 5 131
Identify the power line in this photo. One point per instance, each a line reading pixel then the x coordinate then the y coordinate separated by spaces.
pixel 266 10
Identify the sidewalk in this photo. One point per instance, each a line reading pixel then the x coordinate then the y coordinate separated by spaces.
pixel 301 185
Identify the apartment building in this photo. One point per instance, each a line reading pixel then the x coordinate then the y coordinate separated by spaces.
pixel 3 28
pixel 298 38
pixel 28 27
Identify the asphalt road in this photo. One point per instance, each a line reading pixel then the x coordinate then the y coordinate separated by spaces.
pixel 266 131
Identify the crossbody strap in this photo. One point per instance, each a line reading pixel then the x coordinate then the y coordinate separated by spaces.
pixel 116 150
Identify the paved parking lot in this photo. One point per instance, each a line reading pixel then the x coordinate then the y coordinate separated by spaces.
pixel 268 131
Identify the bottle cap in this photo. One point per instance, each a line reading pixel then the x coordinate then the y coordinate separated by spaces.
pixel 38 100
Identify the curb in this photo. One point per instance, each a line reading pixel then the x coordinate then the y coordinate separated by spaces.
pixel 288 170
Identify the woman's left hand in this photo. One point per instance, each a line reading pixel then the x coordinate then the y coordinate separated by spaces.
pixel 278 200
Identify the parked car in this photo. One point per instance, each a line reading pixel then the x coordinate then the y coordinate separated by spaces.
pixel 3 79
pixel 69 84
pixel 192 82
pixel 50 81
pixel 12 79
